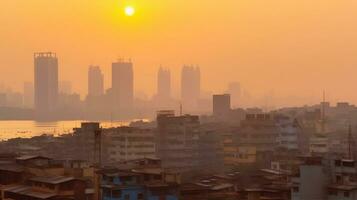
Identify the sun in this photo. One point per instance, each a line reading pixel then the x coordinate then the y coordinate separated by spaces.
pixel 129 10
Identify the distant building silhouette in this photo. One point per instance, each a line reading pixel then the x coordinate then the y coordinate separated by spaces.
pixel 190 87
pixel 234 89
pixel 65 87
pixel 46 83
pixel 14 99
pixel 221 105
pixel 2 99
pixel 28 95
pixel 95 81
pixel 123 86
pixel 163 86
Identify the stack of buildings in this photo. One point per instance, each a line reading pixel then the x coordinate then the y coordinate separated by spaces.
pixel 129 143
pixel 141 179
pixel 38 177
pixel 185 147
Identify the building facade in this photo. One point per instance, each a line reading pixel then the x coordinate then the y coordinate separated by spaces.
pixel 128 143
pixel 178 138
pixel 190 87
pixel 163 86
pixel 95 81
pixel 123 86
pixel 221 105
pixel 257 131
pixel 46 83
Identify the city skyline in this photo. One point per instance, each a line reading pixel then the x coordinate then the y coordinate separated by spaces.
pixel 178 100
pixel 235 88
pixel 176 89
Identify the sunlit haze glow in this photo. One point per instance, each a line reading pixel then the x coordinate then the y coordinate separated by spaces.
pixel 291 50
pixel 129 11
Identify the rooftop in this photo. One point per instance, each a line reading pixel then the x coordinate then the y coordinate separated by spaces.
pixel 222 186
pixel 12 168
pixel 116 172
pixel 157 185
pixel 344 187
pixel 30 157
pixel 153 171
pixel 28 191
pixel 275 172
pixel 52 179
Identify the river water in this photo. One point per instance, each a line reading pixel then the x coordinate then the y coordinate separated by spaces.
pixel 27 129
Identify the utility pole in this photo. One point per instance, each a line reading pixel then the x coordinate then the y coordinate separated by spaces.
pixel 180 108
pixel 98 147
pixel 323 113
pixel 97 162
pixel 350 140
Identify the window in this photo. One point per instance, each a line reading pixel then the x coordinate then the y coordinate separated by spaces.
pixel 296 189
pixel 125 179
pixel 116 193
pixel 157 177
pixel 346 194
pixel 349 164
pixel 106 192
pixel 140 196
pixel 66 186
pixel 332 192
pixel 51 186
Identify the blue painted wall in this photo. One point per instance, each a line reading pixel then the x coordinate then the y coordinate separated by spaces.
pixel 131 189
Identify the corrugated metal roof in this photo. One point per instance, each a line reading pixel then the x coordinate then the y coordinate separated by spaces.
pixel 29 157
pixel 28 191
pixel 12 168
pixel 222 186
pixel 343 187
pixel 52 179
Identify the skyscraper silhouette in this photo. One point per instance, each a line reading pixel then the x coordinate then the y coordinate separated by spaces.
pixel 46 84
pixel 190 87
pixel 95 81
pixel 234 89
pixel 65 87
pixel 123 86
pixel 163 85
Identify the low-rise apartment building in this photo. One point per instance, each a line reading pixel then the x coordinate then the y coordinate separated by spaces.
pixel 129 143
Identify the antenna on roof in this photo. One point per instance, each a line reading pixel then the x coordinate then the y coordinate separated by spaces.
pixel 180 108
pixel 323 112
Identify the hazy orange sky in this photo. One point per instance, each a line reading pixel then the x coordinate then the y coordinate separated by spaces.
pixel 290 47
